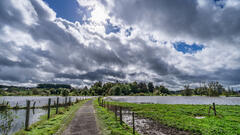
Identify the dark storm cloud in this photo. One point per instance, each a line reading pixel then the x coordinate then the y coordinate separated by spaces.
pixel 232 76
pixel 227 77
pixel 18 74
pixel 10 63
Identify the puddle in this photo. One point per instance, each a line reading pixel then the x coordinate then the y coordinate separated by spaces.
pixel 199 117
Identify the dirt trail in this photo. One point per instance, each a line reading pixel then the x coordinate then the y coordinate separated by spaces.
pixel 84 122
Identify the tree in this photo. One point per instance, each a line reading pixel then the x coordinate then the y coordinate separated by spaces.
pixel 187 91
pixel 215 89
pixel 106 88
pixel 142 87
pixel 150 87
pixel 115 90
pixel 65 92
pixel 163 90
pixel 35 91
pixel 125 89
pixel 2 93
pixel 58 91
pixel 52 91
pixel 134 87
pixel 84 91
pixel 97 88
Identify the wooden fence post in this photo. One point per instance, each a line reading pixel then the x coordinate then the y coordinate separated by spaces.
pixel 98 100
pixel 57 105
pixel 115 110
pixel 69 102
pixel 65 101
pixel 49 106
pixel 214 109
pixel 102 102
pixel 27 115
pixel 209 110
pixel 133 123
pixel 34 103
pixel 76 101
pixel 120 115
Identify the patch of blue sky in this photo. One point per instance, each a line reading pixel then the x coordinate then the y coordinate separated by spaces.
pixel 128 32
pixel 163 42
pixel 151 38
pixel 110 28
pixel 69 10
pixel 187 48
pixel 219 3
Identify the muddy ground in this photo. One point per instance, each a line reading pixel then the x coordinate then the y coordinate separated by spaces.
pixel 149 127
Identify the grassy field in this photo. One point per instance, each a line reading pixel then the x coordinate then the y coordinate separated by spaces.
pixel 183 117
pixel 56 124
pixel 108 124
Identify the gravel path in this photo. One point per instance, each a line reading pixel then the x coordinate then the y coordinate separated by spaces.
pixel 84 122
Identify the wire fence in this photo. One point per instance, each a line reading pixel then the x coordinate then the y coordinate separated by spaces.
pixel 138 120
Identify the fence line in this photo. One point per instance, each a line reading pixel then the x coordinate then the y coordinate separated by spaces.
pixel 115 109
pixel 49 106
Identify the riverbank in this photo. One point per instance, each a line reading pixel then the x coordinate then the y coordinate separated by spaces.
pixel 191 118
pixel 57 122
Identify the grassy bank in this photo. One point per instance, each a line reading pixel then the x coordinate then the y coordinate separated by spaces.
pixel 56 124
pixel 183 117
pixel 108 124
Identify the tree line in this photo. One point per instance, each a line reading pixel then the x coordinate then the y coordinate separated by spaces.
pixel 118 89
pixel 209 89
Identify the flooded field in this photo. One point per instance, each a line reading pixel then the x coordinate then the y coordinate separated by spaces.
pixel 178 99
pixel 19 118
pixel 146 126
pixel 35 114
pixel 40 100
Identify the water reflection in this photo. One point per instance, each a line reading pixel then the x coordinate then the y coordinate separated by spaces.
pixel 19 118
pixel 6 119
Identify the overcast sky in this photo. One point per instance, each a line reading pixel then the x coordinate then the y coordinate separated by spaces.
pixel 78 42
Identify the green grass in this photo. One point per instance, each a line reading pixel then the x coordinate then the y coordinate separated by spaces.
pixel 108 123
pixel 227 121
pixel 56 124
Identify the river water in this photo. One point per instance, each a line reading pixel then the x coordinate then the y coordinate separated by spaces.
pixel 178 99
pixel 40 100
pixel 19 118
